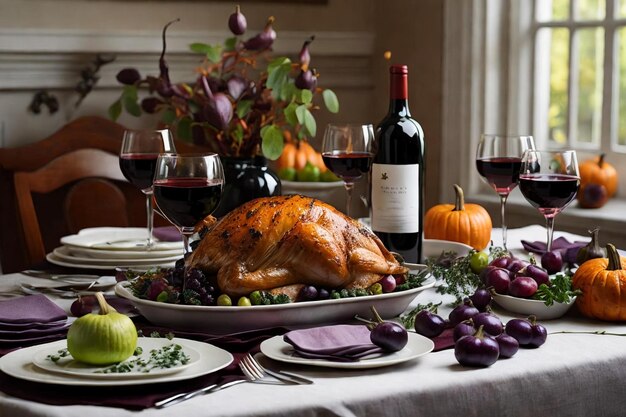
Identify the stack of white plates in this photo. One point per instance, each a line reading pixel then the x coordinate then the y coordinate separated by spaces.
pixel 110 247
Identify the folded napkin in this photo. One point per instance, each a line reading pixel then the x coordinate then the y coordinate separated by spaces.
pixel 568 249
pixel 30 309
pixel 343 342
pixel 167 234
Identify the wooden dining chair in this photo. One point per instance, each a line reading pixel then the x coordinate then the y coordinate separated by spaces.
pixel 93 199
pixel 64 210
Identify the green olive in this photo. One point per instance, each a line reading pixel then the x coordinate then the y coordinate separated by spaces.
pixel 376 289
pixel 224 300
pixel 244 302
pixel 256 298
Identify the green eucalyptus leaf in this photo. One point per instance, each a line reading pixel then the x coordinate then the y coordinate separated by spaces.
pixel 237 132
pixel 309 123
pixel 300 113
pixel 243 107
pixel 199 48
pixel 305 96
pixel 281 61
pixel 214 54
pixel 290 114
pixel 130 100
pixel 183 129
pixel 272 142
pixel 168 117
pixel 331 101
pixel 115 110
pixel 230 44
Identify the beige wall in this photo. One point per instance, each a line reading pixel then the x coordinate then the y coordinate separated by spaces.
pixel 353 34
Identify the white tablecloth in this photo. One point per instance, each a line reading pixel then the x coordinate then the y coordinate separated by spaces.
pixel 571 375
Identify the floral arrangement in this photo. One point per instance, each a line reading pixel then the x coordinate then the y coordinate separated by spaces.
pixel 243 102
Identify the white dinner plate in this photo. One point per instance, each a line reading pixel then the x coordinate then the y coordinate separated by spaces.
pixel 234 319
pixel 19 364
pixel 63 253
pixel 53 259
pixel 67 365
pixel 121 254
pixel 116 238
pixel 276 348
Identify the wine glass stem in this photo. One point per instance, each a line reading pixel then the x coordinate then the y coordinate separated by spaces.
pixel 186 233
pixel 349 186
pixel 502 204
pixel 150 218
pixel 550 229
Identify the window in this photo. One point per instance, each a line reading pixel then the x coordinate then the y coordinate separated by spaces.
pixel 579 76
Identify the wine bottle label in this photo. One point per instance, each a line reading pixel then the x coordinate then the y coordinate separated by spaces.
pixel 395 198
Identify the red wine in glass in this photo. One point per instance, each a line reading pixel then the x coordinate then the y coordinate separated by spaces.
pixel 139 169
pixel 349 166
pixel 186 201
pixel 502 173
pixel 549 193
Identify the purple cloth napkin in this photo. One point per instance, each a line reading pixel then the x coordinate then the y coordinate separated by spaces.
pixel 167 234
pixel 30 309
pixel 568 249
pixel 341 342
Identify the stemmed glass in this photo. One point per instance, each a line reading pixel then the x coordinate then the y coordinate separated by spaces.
pixel 549 181
pixel 347 152
pixel 138 158
pixel 187 188
pixel 498 160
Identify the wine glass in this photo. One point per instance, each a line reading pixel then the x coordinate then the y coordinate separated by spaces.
pixel 138 157
pixel 549 180
pixel 498 160
pixel 347 152
pixel 187 188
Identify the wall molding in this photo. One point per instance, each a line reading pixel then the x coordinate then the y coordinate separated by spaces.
pixel 34 59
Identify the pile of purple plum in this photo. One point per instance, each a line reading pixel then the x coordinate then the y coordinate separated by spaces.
pixel 480 336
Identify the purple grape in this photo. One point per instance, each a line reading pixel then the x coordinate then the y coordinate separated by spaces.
pixel 490 323
pixel 508 345
pixel 306 80
pixel 429 324
pixel 537 273
pixel 128 76
pixel 523 287
pixel 520 329
pixel 323 294
pixel 476 350
pixel 309 293
pixel 390 336
pixel 192 284
pixel 552 262
pixel 462 312
pixel 502 262
pixel 156 288
pixel 464 328
pixel 388 283
pixel 499 279
pixel 481 299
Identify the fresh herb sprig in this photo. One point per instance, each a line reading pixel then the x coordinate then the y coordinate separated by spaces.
pixel 560 290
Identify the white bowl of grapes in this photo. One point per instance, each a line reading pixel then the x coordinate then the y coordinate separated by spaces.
pixel 525 288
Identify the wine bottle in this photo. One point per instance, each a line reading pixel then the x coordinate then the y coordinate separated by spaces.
pixel 397 175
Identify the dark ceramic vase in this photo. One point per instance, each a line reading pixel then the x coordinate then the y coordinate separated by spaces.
pixel 246 179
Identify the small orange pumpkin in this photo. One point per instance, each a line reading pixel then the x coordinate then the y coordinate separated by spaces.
pixel 296 155
pixel 603 285
pixel 598 171
pixel 459 222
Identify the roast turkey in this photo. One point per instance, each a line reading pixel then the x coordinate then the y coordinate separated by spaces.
pixel 276 242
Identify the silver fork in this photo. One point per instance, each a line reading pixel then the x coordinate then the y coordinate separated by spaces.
pixel 255 367
pixel 250 377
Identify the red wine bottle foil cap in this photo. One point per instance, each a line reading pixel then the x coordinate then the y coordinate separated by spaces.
pixel 399 69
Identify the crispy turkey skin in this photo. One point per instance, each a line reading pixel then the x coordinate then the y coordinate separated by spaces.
pixel 280 241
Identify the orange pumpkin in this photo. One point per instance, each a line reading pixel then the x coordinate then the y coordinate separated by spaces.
pixel 459 222
pixel 598 171
pixel 296 155
pixel 602 282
